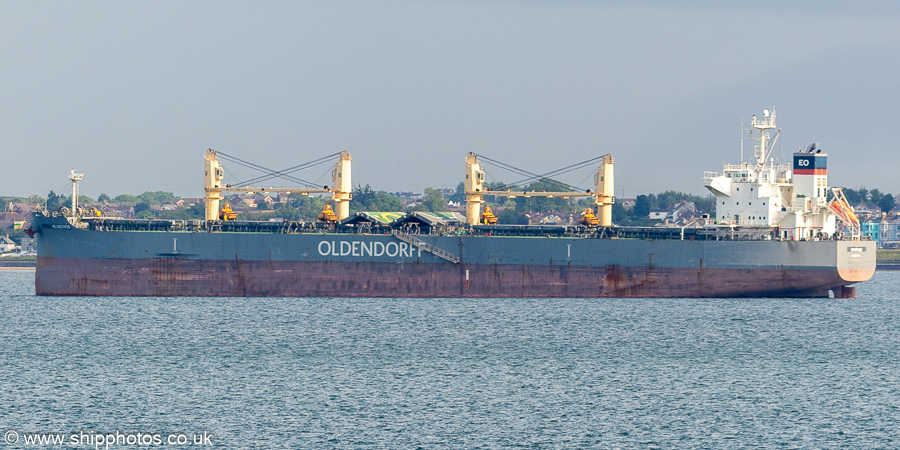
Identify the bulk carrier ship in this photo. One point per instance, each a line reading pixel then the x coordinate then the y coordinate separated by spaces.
pixel 779 231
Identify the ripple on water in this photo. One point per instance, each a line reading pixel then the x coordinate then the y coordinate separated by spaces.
pixel 330 372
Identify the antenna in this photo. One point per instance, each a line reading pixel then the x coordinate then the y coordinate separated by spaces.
pixel 742 139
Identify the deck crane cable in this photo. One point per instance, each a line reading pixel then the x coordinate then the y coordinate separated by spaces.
pixel 585 179
pixel 270 173
pixel 260 168
pixel 508 167
pixel 273 173
pixel 323 175
pixel 535 177
pixel 60 189
pixel 564 170
pixel 497 183
pixel 290 170
pixel 489 176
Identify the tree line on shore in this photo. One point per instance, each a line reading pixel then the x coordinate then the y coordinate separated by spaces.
pixel 512 211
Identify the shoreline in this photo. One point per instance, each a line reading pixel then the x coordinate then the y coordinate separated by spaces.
pixel 26 264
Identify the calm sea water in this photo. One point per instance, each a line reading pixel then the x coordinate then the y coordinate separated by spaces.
pixel 399 373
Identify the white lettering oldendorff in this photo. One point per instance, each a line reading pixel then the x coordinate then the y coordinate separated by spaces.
pixel 387 249
pixel 373 248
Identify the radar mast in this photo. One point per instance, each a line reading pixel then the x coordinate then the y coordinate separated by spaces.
pixel 762 150
pixel 75 178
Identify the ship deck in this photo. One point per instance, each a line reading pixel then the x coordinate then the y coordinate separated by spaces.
pixel 717 233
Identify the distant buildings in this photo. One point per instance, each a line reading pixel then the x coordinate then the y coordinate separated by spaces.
pixel 680 214
pixel 885 231
pixel 881 227
pixel 7 244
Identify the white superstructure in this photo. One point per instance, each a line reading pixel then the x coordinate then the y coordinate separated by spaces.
pixel 791 199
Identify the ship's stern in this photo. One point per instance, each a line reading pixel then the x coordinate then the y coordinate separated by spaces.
pixel 855 263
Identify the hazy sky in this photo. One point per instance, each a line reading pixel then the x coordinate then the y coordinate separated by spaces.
pixel 132 93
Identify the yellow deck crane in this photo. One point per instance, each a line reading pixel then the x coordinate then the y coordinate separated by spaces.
pixel 488 217
pixel 227 213
pixel 341 191
pixel 327 215
pixel 588 218
pixel 603 196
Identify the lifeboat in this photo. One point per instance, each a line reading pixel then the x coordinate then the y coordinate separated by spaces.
pixel 843 210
